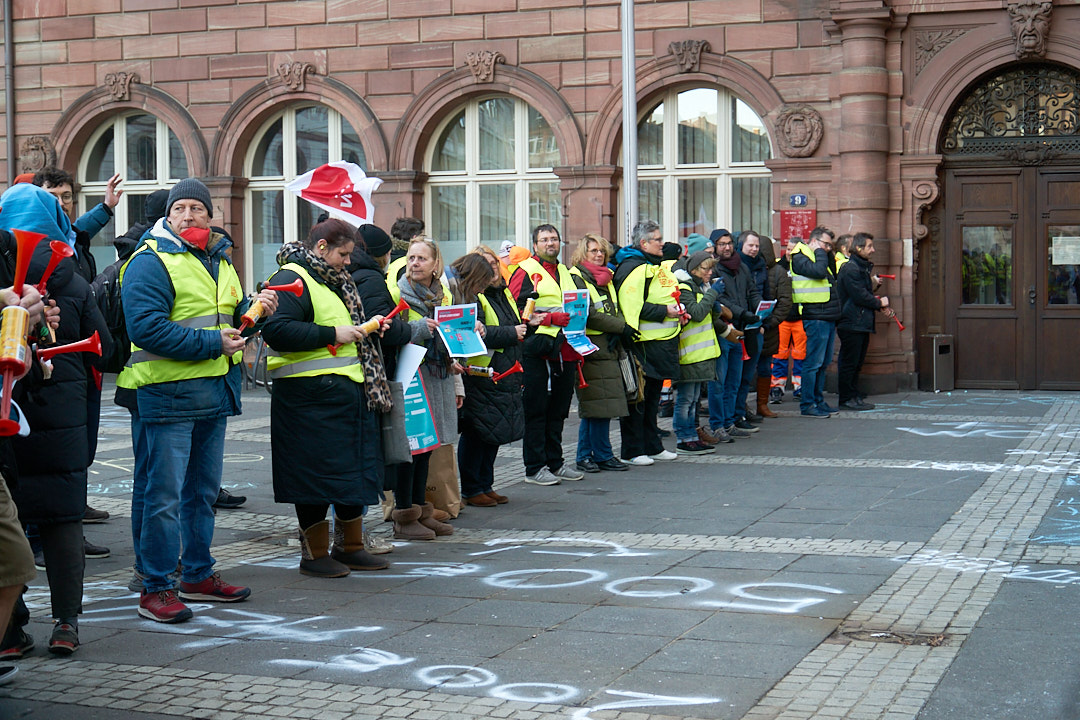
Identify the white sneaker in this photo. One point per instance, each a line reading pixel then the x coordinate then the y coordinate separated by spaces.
pixel 641 460
pixel 568 472
pixel 543 476
pixel 665 455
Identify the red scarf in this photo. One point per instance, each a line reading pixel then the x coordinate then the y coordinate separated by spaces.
pixel 601 273
pixel 196 236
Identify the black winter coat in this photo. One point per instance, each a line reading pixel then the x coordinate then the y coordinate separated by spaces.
pixel 493 411
pixel 823 267
pixel 371 284
pixel 855 288
pixel 54 457
pixel 779 289
pixel 740 295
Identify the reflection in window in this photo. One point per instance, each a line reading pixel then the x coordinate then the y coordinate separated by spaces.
pixel 1063 265
pixel 148 157
pixel 704 150
pixel 491 176
pixel 290 144
pixel 986 265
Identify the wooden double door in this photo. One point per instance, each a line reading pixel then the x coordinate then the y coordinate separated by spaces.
pixel 1012 276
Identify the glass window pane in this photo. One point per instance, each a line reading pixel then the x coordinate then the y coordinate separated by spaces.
pixel 450 150
pixel 697 206
pixel 178 167
pixel 141 148
pixel 351 149
pixel 651 200
pixel 697 126
pixel 1063 265
pixel 312 138
pixel 100 164
pixel 749 140
pixel 543 150
pixel 650 138
pixel 545 205
pixel 136 210
pixel 101 245
pixel 750 207
pixel 497 214
pixel 269 154
pixel 306 215
pixel 448 220
pixel 497 134
pixel 268 231
pixel 986 265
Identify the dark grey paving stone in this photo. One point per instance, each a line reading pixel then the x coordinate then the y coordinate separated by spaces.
pixel 537 680
pixel 792 530
pixel 437 637
pixel 739 561
pixel 835 564
pixel 718 697
pixel 763 661
pixel 515 613
pixel 135 647
pixel 838 496
pixel 750 627
pixel 858 584
pixel 397 606
pixel 799 515
pixel 589 649
pixel 17 708
pixel 637 621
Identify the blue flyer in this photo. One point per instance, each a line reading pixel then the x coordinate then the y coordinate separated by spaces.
pixel 576 305
pixel 457 328
pixel 419 425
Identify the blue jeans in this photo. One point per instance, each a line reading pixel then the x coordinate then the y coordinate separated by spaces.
pixel 722 390
pixel 685 418
pixel 594 440
pixel 138 485
pixel 820 335
pixel 753 349
pixel 183 476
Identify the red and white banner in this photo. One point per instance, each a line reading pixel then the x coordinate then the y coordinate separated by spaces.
pixel 340 188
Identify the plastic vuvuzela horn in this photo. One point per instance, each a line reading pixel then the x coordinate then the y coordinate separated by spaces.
pixel 887 277
pixel 516 368
pixel 372 325
pixel 60 250
pixel 14 321
pixel 256 310
pixel 91 344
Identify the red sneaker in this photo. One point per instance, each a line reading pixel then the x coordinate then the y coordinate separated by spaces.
pixel 213 589
pixel 163 606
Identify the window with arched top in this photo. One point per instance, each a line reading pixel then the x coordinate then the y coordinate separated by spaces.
pixel 146 154
pixel 289 144
pixel 490 176
pixel 701 164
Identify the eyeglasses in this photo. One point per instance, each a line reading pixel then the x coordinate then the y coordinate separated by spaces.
pixel 725 244
pixel 67 197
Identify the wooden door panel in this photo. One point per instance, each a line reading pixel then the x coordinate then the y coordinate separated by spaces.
pixel 986 352
pixel 1059 354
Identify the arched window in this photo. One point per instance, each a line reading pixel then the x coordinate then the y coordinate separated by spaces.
pixel 148 156
pixel 701 164
pixel 289 144
pixel 490 176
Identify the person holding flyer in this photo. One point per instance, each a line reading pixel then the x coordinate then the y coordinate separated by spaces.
pixel 550 364
pixel 422 288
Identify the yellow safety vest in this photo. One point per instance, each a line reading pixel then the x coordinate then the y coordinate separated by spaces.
pixel 551 298
pixel 632 298
pixel 491 318
pixel 393 270
pixel 806 290
pixel 597 299
pixel 200 304
pixel 841 258
pixel 331 312
pixel 697 340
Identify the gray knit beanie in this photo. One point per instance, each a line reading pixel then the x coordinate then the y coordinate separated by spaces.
pixel 190 189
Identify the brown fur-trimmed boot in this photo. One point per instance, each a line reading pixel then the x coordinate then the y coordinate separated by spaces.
pixel 315 559
pixel 349 546
pixel 407 525
pixel 427 520
pixel 763 384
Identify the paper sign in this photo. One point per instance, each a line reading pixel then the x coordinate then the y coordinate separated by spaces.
pixel 576 305
pixel 409 358
pixel 764 310
pixel 457 328
pixel 419 425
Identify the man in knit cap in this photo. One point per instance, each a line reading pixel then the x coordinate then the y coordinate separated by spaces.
pixel 182 305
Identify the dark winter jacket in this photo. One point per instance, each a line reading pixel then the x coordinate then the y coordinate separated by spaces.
pixel 660 358
pixel 605 397
pixel 740 294
pixel 53 459
pixel 493 411
pixel 855 288
pixel 823 267
pixel 779 289
pixel 371 284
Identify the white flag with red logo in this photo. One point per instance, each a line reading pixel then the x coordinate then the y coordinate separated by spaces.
pixel 340 188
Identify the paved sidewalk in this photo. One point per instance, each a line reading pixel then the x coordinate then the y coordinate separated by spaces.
pixel 917 561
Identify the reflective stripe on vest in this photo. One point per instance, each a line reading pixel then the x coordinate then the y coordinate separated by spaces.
pixel 632 298
pixel 200 303
pixel 329 311
pixel 551 299
pixel 806 290
pixel 697 340
pixel 492 319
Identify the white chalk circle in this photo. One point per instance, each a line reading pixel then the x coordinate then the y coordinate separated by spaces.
pixel 456 676
pixel 544 692
pixel 696 585
pixel 508 579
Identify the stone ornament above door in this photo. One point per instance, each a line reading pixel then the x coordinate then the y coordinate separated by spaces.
pixel 294 74
pixel 1030 21
pixel 482 64
pixel 119 84
pixel 799 131
pixel 688 53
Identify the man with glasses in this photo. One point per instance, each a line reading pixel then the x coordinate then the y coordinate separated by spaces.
pixel 645 290
pixel 813 276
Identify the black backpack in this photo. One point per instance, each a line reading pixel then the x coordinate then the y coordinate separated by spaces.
pixel 106 290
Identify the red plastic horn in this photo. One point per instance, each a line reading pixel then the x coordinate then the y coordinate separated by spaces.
pixel 60 250
pixel 581 378
pixel 898 323
pixel 401 306
pixel 678 304
pixel 745 355
pixel 296 287
pixel 515 369
pixel 26 241
pixel 91 344
pixel 887 277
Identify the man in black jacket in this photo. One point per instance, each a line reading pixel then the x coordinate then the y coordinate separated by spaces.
pixel 813 278
pixel 855 288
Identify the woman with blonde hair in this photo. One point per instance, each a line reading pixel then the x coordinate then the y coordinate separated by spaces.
pixel 604 397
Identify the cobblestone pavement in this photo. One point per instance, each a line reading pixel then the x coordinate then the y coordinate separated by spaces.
pixel 877 565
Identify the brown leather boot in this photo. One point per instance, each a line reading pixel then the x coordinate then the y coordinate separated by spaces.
pixel 428 521
pixel 315 559
pixel 407 525
pixel 763 384
pixel 349 546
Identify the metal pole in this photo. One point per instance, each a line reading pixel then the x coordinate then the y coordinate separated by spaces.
pixel 9 91
pixel 629 106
